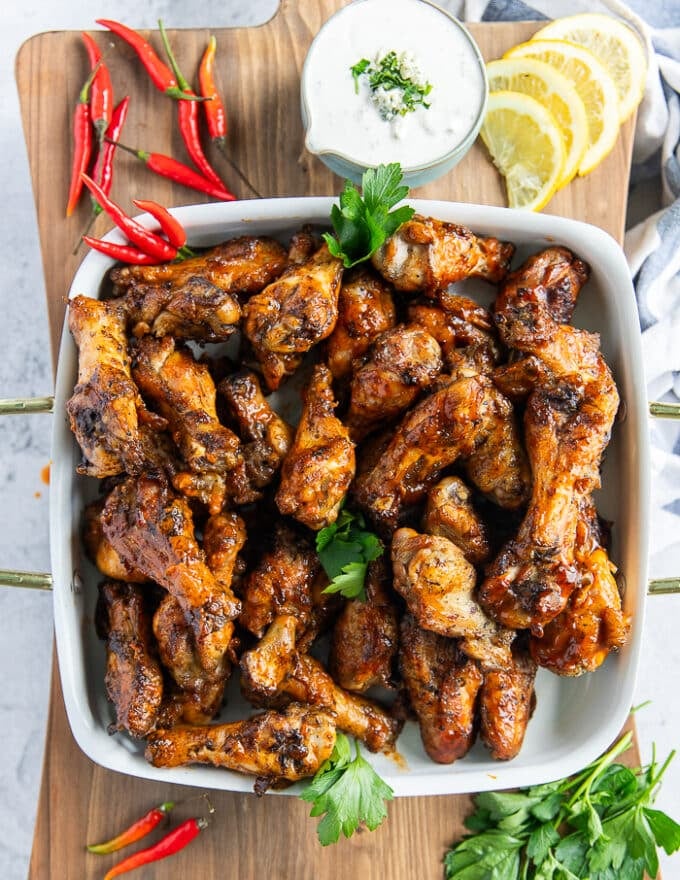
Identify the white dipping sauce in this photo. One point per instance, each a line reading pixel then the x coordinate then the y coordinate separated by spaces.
pixel 349 124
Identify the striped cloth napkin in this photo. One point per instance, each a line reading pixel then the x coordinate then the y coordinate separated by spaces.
pixel 652 245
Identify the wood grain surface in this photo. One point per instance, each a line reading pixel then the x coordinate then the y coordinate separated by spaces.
pixel 258 70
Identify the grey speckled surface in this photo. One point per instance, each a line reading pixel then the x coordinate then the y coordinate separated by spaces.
pixel 25 617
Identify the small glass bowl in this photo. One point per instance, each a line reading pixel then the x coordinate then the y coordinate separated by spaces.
pixel 314 104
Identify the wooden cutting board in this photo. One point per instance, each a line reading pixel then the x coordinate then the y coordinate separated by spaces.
pixel 258 70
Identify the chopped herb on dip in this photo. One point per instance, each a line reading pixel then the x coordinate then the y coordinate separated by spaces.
pixel 397 85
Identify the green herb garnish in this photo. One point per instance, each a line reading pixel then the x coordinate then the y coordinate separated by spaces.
pixel 598 825
pixel 396 84
pixel 348 791
pixel 345 548
pixel 362 224
pixel 357 69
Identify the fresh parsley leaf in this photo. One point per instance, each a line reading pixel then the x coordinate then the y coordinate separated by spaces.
pixel 490 854
pixel 346 792
pixel 345 548
pixel 666 831
pixel 363 224
pixel 357 69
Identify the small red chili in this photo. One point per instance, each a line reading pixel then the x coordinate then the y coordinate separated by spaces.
pixel 168 167
pixel 161 75
pixel 147 241
pixel 173 229
pixel 122 252
pixel 215 113
pixel 109 150
pixel 135 832
pixel 172 843
pixel 101 94
pixel 187 114
pixel 82 144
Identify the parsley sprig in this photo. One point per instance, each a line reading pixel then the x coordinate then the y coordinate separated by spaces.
pixel 598 825
pixel 363 224
pixel 345 548
pixel 346 791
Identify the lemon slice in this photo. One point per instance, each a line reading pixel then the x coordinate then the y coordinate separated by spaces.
pixel 557 94
pixel 615 45
pixel 594 85
pixel 526 146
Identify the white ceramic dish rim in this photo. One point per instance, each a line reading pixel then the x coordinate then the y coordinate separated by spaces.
pixel 581 736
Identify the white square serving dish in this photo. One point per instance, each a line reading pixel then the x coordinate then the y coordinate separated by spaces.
pixel 575 719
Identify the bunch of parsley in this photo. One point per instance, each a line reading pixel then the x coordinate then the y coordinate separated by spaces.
pixel 344 549
pixel 597 825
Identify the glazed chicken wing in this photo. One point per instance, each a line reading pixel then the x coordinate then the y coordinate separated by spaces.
pixel 428 254
pixel 320 464
pixel 273 746
pixel 153 531
pixel 365 310
pixel 100 550
pixel 442 686
pixel 506 701
pixel 293 314
pixel 568 421
pixel 365 636
pixel 449 513
pixel 438 584
pixel 398 365
pixel 134 682
pixel 460 421
pixel 106 407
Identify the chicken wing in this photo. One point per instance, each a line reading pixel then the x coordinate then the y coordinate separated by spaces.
pixel 450 514
pixel 134 682
pixel 273 746
pixel 320 464
pixel 442 685
pixel 267 436
pixel 106 406
pixel 568 421
pixel 293 314
pixel 153 532
pixel 465 419
pixel 398 365
pixel 428 254
pixel 506 702
pixel 224 536
pixel 438 584
pixel 365 636
pixel 365 310
pixel 100 550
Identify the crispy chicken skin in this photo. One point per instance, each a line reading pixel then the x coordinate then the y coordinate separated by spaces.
pixel 593 624
pixel 224 536
pixel 449 513
pixel 264 668
pixel 462 420
pixel 506 702
pixel 428 254
pixel 239 266
pixel 320 465
pixel 568 421
pixel 288 745
pixel 293 314
pixel 438 584
pixel 153 531
pixel 100 550
pixel 366 637
pixel 106 406
pixel 134 682
pixel 442 686
pixel 281 582
pixel 267 436
pixel 398 365
pixel 365 310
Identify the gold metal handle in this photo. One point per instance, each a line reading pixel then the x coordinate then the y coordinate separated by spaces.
pixel 663 586
pixel 30 580
pixel 664 410
pixel 15 405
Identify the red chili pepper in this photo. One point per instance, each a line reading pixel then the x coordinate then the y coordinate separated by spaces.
pixel 172 843
pixel 82 144
pixel 168 167
pixel 161 75
pixel 101 95
pixel 215 113
pixel 148 241
pixel 135 832
pixel 122 252
pixel 109 150
pixel 187 113
pixel 173 229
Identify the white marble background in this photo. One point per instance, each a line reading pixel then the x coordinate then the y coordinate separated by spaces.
pixel 25 370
